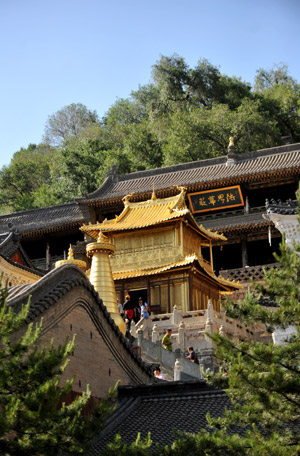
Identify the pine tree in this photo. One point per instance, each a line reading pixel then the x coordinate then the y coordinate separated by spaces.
pixel 34 419
pixel 263 380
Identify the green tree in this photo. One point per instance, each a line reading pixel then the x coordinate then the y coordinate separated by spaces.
pixel 202 85
pixel 203 133
pixel 68 122
pixel 34 418
pixel 277 75
pixel 28 170
pixel 280 95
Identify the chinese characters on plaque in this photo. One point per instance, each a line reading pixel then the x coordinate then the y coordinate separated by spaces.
pixel 212 200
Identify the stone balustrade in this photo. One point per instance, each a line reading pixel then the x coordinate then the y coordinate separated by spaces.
pixel 191 328
pixel 174 361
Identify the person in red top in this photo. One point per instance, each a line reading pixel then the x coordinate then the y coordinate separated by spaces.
pixel 129 312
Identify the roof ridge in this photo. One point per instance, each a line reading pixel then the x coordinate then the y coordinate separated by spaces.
pixel 37 209
pixel 200 163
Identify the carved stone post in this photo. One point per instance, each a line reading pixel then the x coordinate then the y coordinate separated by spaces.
pixel 133 331
pixel 201 369
pixel 222 331
pixel 175 316
pixel 177 371
pixel 140 337
pixel 209 324
pixel 158 351
pixel 181 341
pixel 155 334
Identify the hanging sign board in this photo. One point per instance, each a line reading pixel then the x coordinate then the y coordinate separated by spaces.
pixel 212 200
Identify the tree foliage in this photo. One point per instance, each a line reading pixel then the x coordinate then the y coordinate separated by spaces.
pixel 184 114
pixel 68 122
pixel 34 417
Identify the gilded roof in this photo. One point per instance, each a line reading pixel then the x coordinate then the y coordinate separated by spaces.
pixel 149 213
pixel 189 260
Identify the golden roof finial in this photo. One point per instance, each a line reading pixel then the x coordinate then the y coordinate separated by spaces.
pixel 102 237
pixel 71 260
pixel 70 253
pixel 153 197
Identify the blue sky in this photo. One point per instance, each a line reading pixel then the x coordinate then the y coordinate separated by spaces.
pixel 57 52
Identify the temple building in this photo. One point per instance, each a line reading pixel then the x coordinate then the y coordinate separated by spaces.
pixel 160 255
pixel 225 194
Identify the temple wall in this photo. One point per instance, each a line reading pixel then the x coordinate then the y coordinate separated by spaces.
pixel 92 362
pixel 191 242
pixel 202 292
pixel 144 249
pixel 99 358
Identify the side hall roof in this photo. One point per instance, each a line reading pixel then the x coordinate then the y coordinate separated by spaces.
pixel 42 220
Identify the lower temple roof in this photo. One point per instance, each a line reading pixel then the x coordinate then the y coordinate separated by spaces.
pixel 160 409
pixel 225 283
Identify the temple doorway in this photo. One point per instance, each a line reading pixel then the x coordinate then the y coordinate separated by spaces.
pixel 136 294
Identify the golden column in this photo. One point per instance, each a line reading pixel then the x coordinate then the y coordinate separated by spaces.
pixel 101 277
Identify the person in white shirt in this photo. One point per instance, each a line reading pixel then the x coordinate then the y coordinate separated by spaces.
pixel 158 374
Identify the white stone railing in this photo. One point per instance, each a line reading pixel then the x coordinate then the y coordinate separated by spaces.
pixel 174 361
pixel 191 328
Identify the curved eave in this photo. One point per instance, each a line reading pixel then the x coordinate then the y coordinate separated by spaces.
pixel 38 274
pixel 49 229
pixel 227 285
pixel 115 226
pixel 93 229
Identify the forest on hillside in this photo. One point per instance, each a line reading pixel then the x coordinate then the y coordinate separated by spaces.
pixel 183 114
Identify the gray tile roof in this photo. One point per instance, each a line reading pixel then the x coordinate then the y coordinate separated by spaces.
pixel 235 223
pixel 9 245
pixel 289 207
pixel 43 220
pixel 201 174
pixel 160 409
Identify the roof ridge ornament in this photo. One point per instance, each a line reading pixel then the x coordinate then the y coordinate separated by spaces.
pixel 180 203
pixel 126 199
pixel 231 156
pixel 112 173
pixel 153 197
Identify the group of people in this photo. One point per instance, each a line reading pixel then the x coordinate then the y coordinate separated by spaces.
pixel 131 311
pixel 135 311
pixel 167 344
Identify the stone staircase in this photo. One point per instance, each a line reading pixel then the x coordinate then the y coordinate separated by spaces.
pixel 173 364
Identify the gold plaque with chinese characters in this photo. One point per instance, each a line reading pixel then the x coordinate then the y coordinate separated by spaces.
pixel 213 200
